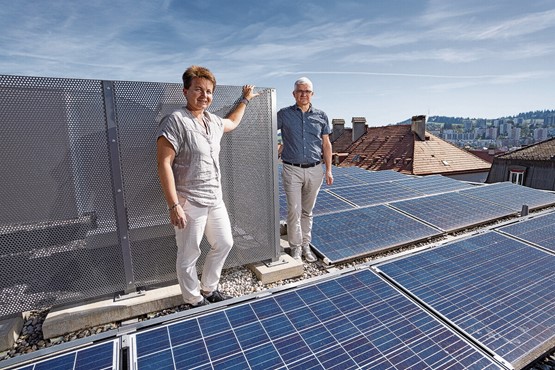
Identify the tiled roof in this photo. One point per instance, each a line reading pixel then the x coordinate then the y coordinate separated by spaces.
pixel 542 151
pixel 398 148
pixel 380 148
pixel 436 156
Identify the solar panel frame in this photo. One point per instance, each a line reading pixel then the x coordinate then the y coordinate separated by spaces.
pixel 485 285
pixel 97 356
pixel 538 230
pixel 452 211
pixel 364 231
pixel 352 321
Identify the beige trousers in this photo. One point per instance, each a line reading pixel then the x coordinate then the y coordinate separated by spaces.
pixel 301 186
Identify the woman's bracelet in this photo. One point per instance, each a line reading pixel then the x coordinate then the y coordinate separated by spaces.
pixel 244 101
pixel 172 207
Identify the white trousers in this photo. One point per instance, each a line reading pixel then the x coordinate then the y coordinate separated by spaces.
pixel 214 223
pixel 301 186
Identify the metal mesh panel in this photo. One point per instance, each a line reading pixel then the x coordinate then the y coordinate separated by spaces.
pixel 247 174
pixel 56 194
pixel 66 161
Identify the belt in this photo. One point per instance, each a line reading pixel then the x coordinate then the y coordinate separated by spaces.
pixel 303 165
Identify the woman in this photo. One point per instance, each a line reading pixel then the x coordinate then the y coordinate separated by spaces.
pixel 188 148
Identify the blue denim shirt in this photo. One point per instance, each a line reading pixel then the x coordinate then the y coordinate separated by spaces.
pixel 302 133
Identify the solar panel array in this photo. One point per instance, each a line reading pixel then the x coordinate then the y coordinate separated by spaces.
pixel 443 203
pixel 498 290
pixel 354 321
pixel 538 230
pixel 355 233
pixel 102 356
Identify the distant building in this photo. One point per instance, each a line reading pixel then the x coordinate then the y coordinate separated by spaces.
pixel 540 134
pixel 404 148
pixel 532 166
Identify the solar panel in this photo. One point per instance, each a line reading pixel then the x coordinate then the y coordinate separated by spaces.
pixel 93 357
pixel 433 184
pixel 498 290
pixel 539 230
pixel 372 177
pixel 452 211
pixel 512 195
pixel 354 321
pixel 378 193
pixel 363 231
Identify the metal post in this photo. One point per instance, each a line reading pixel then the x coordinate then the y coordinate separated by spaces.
pixel 117 184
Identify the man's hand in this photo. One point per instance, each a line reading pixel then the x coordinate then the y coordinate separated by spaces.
pixel 329 178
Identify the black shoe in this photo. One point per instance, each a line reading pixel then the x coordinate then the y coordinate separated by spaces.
pixel 217 296
pixel 204 302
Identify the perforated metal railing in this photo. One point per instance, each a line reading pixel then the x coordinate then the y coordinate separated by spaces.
pixel 82 213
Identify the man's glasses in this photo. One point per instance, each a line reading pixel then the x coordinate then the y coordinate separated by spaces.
pixel 303 92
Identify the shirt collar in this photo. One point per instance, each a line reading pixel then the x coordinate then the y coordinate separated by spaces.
pixel 296 107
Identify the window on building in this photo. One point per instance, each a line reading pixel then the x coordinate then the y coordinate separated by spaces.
pixel 516 177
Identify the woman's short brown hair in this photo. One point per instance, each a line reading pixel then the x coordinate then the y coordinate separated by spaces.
pixel 197 71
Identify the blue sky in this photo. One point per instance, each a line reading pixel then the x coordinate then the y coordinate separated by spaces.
pixel 384 60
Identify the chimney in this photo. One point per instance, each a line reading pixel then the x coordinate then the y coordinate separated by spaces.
pixel 418 126
pixel 359 127
pixel 338 125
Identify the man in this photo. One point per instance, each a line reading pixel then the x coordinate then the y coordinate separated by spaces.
pixel 188 148
pixel 305 132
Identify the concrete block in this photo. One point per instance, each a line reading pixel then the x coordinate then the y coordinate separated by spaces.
pixel 66 319
pixel 10 328
pixel 286 268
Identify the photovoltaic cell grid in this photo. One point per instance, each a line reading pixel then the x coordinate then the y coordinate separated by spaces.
pixel 94 357
pixel 378 193
pixel 355 321
pixel 328 203
pixel 372 177
pixel 341 180
pixel 539 230
pixel 498 290
pixel 363 231
pixel 282 207
pixel 511 195
pixel 433 184
pixel 452 211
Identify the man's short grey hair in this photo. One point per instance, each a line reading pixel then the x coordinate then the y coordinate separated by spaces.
pixel 303 81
